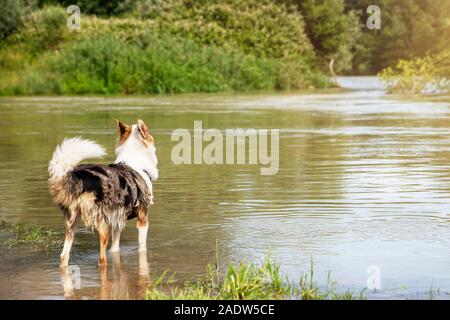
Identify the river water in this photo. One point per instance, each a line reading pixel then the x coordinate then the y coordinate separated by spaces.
pixel 363 180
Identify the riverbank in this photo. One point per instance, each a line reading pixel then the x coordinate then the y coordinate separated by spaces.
pixel 144 56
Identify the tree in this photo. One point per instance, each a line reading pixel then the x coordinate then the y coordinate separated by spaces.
pixel 10 17
pixel 332 31
pixel 409 29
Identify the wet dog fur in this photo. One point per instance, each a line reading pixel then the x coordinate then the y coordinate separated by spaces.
pixel 104 197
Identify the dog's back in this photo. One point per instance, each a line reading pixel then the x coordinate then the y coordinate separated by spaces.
pixel 112 193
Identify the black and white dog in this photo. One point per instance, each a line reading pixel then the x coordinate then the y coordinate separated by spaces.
pixel 105 196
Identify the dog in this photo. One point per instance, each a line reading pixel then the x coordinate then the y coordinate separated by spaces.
pixel 105 196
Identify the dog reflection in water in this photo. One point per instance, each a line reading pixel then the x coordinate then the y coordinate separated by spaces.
pixel 117 286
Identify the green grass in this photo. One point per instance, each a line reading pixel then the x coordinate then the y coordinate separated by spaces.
pixel 246 281
pixel 27 234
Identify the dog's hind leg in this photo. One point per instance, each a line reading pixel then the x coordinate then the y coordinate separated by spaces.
pixel 103 237
pixel 71 218
pixel 142 225
pixel 115 246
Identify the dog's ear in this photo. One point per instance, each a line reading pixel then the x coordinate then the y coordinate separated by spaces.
pixel 144 132
pixel 143 129
pixel 121 127
pixel 124 130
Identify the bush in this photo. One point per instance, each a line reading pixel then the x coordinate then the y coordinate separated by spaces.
pixel 262 28
pixel 189 46
pixel 48 26
pixel 94 65
pixel 10 17
pixel 168 65
pixel 421 75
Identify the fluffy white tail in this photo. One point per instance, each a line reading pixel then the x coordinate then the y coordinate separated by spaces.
pixel 70 153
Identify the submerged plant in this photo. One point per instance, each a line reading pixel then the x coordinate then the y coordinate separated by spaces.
pixel 309 289
pixel 27 234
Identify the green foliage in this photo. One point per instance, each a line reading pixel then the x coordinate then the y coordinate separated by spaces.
pixel 297 37
pixel 309 289
pixel 93 66
pixel 188 47
pixel 107 65
pixel 104 8
pixel 409 29
pixel 262 28
pixel 326 24
pixel 240 282
pixel 420 75
pixel 32 235
pixel 244 281
pixel 351 38
pixel 165 64
pixel 47 28
pixel 10 17
pixel 333 31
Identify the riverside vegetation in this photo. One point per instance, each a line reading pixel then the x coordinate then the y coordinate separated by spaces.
pixel 133 55
pixel 247 281
pixel 176 46
pixel 26 234
pixel 429 74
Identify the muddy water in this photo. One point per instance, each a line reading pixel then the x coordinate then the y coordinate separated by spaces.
pixel 364 180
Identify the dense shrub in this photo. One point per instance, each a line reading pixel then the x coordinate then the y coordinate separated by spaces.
pixel 167 65
pixel 48 26
pixel 189 46
pixel 10 17
pixel 429 74
pixel 258 27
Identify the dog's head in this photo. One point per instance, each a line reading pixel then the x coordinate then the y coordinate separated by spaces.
pixel 135 142
pixel 135 134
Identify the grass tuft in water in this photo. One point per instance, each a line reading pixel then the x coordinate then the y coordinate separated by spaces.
pixel 245 281
pixel 310 290
pixel 27 234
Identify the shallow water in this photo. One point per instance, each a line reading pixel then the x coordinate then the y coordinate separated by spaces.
pixel 364 180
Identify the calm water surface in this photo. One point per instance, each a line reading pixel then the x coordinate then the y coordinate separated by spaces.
pixel 364 180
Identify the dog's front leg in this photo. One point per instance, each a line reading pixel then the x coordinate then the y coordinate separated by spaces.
pixel 103 237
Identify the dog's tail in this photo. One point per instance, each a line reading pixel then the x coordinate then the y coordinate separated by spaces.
pixel 70 153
